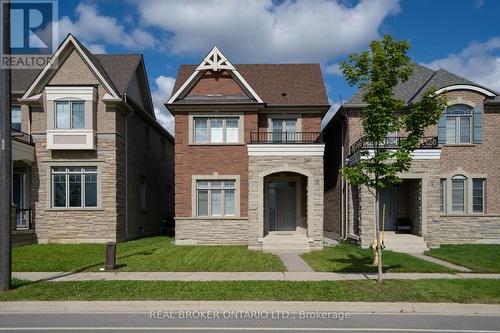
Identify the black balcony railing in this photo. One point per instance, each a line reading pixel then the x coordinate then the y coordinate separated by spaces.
pixel 428 142
pixel 23 219
pixel 21 136
pixel 285 137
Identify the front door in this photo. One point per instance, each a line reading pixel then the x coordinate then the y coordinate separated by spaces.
pixel 282 207
pixel 19 199
pixel 388 197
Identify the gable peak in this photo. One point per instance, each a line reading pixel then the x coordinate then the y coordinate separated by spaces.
pixel 215 61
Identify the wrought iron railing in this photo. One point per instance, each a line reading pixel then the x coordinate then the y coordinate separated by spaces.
pixel 23 219
pixel 21 136
pixel 285 137
pixel 428 142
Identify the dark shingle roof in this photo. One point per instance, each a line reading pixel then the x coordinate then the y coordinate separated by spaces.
pixel 421 80
pixel 302 84
pixel 116 68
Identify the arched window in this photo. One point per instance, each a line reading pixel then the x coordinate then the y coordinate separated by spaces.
pixel 458 190
pixel 458 124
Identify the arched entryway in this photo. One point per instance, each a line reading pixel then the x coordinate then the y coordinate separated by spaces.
pixel 285 202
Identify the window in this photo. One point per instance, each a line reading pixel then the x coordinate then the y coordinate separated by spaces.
pixel 458 190
pixel 147 138
pixel 478 195
pixel 216 130
pixel 70 115
pixel 458 124
pixel 74 187
pixel 442 195
pixel 142 193
pixel 16 117
pixel 284 129
pixel 215 198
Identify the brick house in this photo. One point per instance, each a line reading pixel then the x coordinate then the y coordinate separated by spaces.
pixel 450 194
pixel 248 154
pixel 87 150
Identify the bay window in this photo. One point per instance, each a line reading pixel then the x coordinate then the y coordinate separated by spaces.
pixel 74 187
pixel 70 114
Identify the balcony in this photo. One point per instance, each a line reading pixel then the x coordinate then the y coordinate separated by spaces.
pixel 21 136
pixel 286 137
pixel 428 147
pixel 81 139
pixel 285 144
pixel 23 148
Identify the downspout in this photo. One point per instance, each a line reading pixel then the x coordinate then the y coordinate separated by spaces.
pixel 345 200
pixel 127 115
pixel 342 208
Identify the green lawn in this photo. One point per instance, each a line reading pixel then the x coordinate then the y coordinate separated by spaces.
pixel 478 257
pixel 352 258
pixel 146 254
pixel 461 291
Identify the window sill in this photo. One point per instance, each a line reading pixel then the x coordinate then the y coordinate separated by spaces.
pixel 468 215
pixel 215 144
pixel 209 218
pixel 93 209
pixel 459 145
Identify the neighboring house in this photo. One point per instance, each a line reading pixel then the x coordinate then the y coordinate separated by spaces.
pixel 248 154
pixel 450 194
pixel 90 161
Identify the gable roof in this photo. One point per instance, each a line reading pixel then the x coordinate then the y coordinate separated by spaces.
pixel 276 84
pixel 421 80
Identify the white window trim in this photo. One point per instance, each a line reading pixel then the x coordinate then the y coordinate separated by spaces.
pixel 69 164
pixel 241 127
pixel 284 116
pixel 457 124
pixel 70 102
pixel 194 196
pixel 468 209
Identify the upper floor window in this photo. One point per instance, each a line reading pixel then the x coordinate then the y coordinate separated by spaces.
pixel 16 117
pixel 283 128
pixel 216 130
pixel 458 124
pixel 74 187
pixel 70 114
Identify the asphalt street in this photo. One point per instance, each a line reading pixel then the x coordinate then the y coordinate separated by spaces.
pixel 247 322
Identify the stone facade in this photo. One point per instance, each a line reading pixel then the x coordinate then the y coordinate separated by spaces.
pixel 309 166
pixel 193 231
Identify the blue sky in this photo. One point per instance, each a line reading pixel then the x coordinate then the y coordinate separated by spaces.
pixel 461 36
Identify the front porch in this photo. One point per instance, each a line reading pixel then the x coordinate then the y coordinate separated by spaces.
pixel 285 205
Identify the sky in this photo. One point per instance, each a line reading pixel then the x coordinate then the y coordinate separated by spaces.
pixel 462 36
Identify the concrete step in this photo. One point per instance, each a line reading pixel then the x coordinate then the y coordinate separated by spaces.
pixel 405 243
pixel 286 242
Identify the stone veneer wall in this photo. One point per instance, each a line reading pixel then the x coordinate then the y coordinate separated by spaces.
pixel 193 231
pixel 309 166
pixel 427 171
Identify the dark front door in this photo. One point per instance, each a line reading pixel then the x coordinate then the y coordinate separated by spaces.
pixel 282 208
pixel 389 197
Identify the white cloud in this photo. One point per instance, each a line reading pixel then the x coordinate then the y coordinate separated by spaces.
pixel 160 95
pixel 478 62
pixel 94 28
pixel 96 48
pixel 261 31
pixel 333 69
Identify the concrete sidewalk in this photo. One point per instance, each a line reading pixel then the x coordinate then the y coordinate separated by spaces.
pixel 292 307
pixel 237 276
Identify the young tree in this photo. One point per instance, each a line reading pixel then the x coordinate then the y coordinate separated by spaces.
pixel 376 72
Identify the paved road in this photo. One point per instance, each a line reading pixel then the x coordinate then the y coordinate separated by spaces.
pixel 282 322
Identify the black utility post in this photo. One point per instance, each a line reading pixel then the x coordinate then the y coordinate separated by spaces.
pixel 5 155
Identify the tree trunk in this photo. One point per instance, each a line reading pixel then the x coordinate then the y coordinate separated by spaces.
pixel 379 243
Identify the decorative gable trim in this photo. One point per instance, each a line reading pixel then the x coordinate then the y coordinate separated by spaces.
pixel 70 40
pixel 214 61
pixel 481 90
